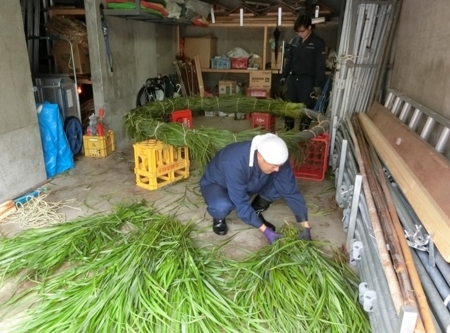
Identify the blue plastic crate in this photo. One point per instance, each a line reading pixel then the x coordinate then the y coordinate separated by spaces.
pixel 221 63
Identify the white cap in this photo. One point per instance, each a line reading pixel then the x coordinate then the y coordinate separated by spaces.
pixel 272 148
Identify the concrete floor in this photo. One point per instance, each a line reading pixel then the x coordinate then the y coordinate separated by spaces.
pixel 98 184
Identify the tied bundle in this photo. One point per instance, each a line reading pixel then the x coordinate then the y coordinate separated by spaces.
pixel 150 122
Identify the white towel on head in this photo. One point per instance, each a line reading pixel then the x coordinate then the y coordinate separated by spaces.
pixel 272 148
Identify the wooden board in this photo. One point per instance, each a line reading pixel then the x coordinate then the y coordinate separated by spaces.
pixel 198 70
pixel 429 212
pixel 427 164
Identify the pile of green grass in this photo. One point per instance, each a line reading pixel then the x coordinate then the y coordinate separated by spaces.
pixel 135 270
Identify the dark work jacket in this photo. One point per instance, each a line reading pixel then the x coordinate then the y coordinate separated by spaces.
pixel 306 59
pixel 230 169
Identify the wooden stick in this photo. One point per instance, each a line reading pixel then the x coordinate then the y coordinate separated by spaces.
pixel 378 232
pixel 198 69
pixel 6 209
pixel 392 239
pixel 424 309
pixel 436 222
pixel 180 78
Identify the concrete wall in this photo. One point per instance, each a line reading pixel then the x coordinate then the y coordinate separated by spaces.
pixel 139 50
pixel 422 63
pixel 21 163
pixel 421 60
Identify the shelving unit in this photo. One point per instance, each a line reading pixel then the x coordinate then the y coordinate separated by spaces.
pixel 139 14
pixel 250 22
pixel 234 71
pixel 264 24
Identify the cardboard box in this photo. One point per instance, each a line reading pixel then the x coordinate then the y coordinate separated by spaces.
pixel 276 64
pixel 260 79
pixel 227 88
pixel 63 58
pixel 204 47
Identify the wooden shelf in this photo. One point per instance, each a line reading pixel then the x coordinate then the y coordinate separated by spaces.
pixel 52 11
pixel 83 79
pixel 236 71
pixel 257 22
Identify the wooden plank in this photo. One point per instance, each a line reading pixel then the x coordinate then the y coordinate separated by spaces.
pixel 53 11
pixel 427 164
pixel 429 212
pixel 6 209
pixel 264 54
pixel 198 70
pixel 259 22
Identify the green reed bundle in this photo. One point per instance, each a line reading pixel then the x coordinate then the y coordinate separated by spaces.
pixel 151 122
pixel 146 275
pixel 295 287
pixel 227 104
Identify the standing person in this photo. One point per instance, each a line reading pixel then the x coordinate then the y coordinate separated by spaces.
pixel 243 169
pixel 305 61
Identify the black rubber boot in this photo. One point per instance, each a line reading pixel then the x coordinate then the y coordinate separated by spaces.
pixel 260 205
pixel 289 123
pixel 304 123
pixel 220 227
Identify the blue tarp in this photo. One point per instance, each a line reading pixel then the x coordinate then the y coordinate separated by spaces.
pixel 57 154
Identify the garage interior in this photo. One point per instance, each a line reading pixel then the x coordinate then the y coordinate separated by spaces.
pixel 380 199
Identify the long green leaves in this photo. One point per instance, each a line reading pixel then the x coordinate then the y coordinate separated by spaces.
pixel 139 271
pixel 295 288
pixel 36 253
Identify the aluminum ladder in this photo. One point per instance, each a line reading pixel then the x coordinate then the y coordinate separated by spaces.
pixel 411 113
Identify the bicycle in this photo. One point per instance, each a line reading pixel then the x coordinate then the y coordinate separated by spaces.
pixel 150 91
pixel 156 89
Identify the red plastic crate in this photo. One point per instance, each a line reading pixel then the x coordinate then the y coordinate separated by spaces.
pixel 183 117
pixel 264 120
pixel 316 159
pixel 239 63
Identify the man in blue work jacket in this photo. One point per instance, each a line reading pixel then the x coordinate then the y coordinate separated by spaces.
pixel 305 62
pixel 243 169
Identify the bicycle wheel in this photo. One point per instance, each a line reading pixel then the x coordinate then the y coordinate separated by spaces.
pixel 145 95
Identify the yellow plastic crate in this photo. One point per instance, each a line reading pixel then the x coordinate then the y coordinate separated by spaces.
pixel 99 146
pixel 157 164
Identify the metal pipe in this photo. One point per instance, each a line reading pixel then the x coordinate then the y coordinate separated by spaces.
pixel 444 267
pixel 437 307
pixel 372 266
pixel 376 316
pixel 384 316
pixel 354 209
pixel 389 99
pixel 414 121
pixel 387 40
pixel 427 128
pixel 396 105
pixel 342 163
pixel 436 277
pixel 405 111
pixel 410 219
pixel 443 138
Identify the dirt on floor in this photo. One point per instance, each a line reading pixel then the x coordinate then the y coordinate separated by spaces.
pixel 96 185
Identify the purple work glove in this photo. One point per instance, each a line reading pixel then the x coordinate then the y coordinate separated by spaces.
pixel 271 235
pixel 305 234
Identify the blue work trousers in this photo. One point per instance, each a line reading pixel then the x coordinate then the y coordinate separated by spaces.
pixel 219 203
